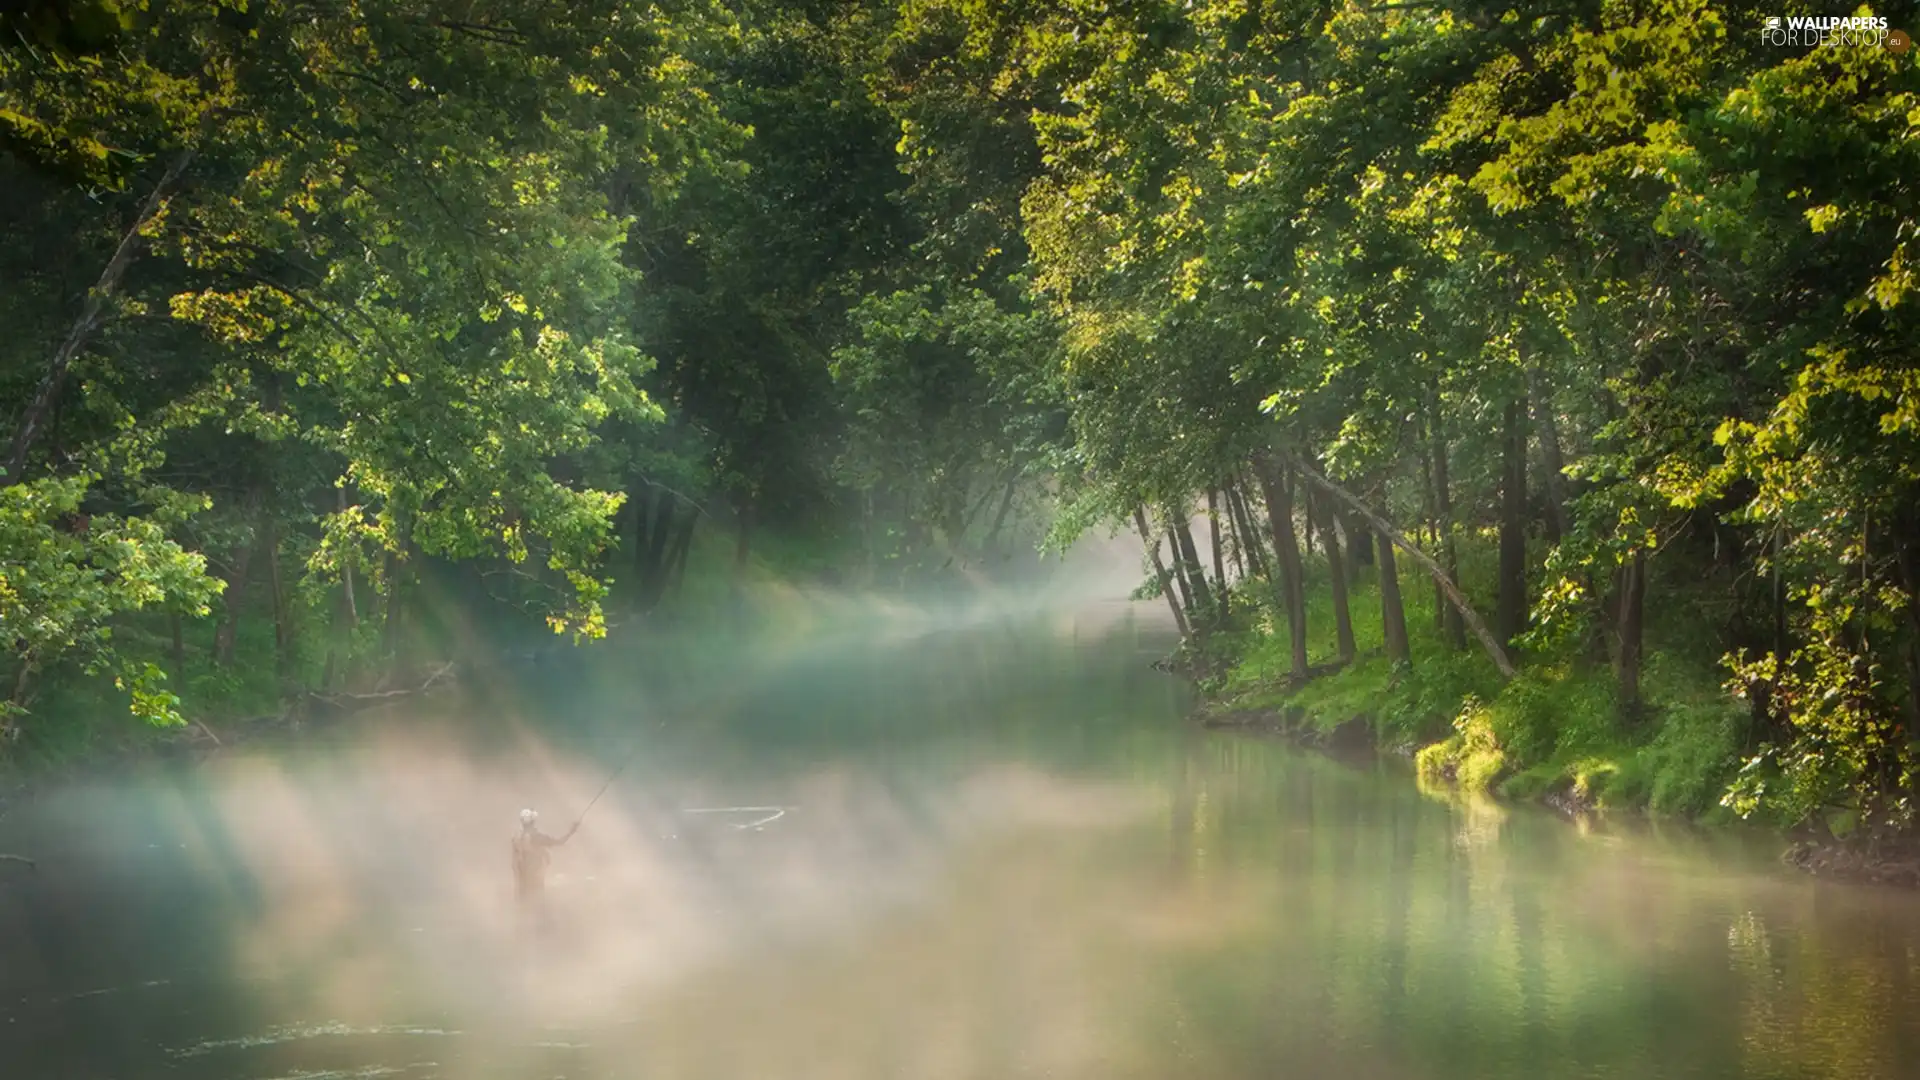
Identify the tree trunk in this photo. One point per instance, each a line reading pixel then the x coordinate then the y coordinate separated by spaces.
pixel 1256 547
pixel 346 617
pixel 1359 544
pixel 1393 613
pixel 1337 574
pixel 638 505
pixel 991 545
pixel 1273 484
pixel 1555 481
pixel 1467 615
pixel 1160 570
pixel 391 633
pixel 676 568
pixel 1180 577
pixel 743 539
pixel 653 569
pixel 1219 556
pixel 1443 506
pixel 1238 538
pixel 238 578
pixel 869 540
pixel 177 629
pixel 1196 574
pixel 1630 592
pixel 90 320
pixel 282 616
pixel 1511 602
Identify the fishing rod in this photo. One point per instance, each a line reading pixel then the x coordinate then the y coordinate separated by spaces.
pixel 615 775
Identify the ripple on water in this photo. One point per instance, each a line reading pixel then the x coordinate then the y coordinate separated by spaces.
pixel 286 1033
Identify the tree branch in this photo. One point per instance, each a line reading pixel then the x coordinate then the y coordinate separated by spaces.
pixel 88 323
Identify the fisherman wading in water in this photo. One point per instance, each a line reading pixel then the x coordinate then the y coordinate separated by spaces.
pixel 531 857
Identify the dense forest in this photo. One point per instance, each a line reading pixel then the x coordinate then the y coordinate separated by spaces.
pixel 1537 384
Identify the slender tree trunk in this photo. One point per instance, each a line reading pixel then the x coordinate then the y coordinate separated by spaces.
pixel 869 539
pixel 1237 540
pixel 1180 578
pixel 1630 590
pixel 653 578
pixel 92 317
pixel 742 550
pixel 991 546
pixel 1337 574
pixel 346 618
pixel 1256 547
pixel 1160 570
pixel 1196 574
pixel 639 504
pixel 1309 513
pixel 177 629
pixel 1393 614
pixel 1555 481
pixel 1273 484
pixel 234 600
pixel 677 555
pixel 1219 556
pixel 1907 562
pixel 1459 599
pixel 282 617
pixel 390 632
pixel 1443 505
pixel 1430 519
pixel 1511 606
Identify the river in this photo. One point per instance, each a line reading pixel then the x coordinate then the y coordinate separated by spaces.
pixel 1002 855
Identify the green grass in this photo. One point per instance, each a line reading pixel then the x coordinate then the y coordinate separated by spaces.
pixel 1556 728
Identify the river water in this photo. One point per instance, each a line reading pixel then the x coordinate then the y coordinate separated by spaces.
pixel 1002 855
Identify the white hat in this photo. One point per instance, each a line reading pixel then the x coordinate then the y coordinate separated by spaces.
pixel 528 817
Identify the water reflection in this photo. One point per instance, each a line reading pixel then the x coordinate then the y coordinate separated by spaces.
pixel 1006 857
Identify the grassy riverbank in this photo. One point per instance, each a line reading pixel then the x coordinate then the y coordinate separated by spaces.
pixel 1554 732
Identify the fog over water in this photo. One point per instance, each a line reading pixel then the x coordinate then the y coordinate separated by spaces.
pixel 1003 853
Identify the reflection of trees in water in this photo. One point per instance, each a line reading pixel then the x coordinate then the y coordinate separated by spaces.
pixel 1403 936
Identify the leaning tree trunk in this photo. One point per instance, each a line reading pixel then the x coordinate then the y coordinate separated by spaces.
pixel 1279 496
pixel 1393 613
pixel 1160 570
pixel 1180 578
pixel 1441 578
pixel 1511 606
pixel 1196 575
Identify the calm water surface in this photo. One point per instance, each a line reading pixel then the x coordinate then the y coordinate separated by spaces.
pixel 1003 856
